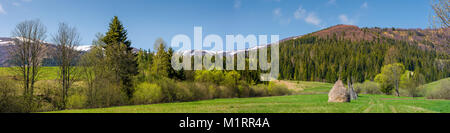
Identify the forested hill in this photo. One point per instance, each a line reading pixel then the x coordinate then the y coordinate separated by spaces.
pixel 345 51
pixel 424 38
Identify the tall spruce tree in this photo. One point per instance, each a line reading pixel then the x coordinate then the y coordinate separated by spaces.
pixel 122 60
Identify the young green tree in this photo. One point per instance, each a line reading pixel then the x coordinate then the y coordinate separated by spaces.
pixel 120 56
pixel 93 66
pixel 145 61
pixel 102 86
pixel 390 76
pixel 232 81
pixel 411 82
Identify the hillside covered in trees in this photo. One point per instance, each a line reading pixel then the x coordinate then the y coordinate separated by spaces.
pixel 349 52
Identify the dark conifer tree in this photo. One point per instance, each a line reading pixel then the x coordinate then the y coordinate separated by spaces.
pixel 121 57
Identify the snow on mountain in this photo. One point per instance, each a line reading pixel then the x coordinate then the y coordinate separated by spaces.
pixel 211 52
pixel 5 41
pixel 83 48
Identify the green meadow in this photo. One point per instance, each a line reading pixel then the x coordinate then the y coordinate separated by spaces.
pixel 309 98
pixel 46 73
pixel 316 103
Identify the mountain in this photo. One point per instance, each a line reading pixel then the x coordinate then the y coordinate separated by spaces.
pixel 438 39
pixel 7 43
pixel 349 52
pixel 427 39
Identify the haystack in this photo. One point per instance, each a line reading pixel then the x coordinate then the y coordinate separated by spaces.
pixel 339 93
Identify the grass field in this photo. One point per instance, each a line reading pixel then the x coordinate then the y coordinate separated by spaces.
pixel 287 104
pixel 46 73
pixel 310 100
pixel 311 97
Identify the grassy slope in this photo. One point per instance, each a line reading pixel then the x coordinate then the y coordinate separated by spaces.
pixel 306 87
pixel 435 84
pixel 316 103
pixel 47 73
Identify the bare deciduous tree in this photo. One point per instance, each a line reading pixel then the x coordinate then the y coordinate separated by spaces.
pixel 26 55
pixel 66 40
pixel 441 17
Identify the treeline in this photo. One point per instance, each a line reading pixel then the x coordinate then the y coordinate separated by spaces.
pixel 312 58
pixel 112 74
pixel 157 75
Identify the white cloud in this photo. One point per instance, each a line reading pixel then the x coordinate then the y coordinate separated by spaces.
pixel 237 4
pixel 277 12
pixel 365 5
pixel 2 11
pixel 313 19
pixel 299 13
pixel 345 20
pixel 308 17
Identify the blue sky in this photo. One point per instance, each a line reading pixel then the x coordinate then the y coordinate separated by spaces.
pixel 147 20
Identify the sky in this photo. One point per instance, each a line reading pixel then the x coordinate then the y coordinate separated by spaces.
pixel 148 20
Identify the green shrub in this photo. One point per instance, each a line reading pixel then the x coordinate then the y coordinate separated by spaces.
pixel 10 101
pixel 200 91
pixel 212 91
pixel 259 90
pixel 76 101
pixel 168 88
pixel 223 92
pixel 368 87
pixel 109 94
pixel 244 89
pixel 50 92
pixel 415 92
pixel 278 90
pixel 147 93
pixel 183 91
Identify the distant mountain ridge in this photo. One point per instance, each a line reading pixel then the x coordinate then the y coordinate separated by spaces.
pixel 435 39
pixel 438 39
pixel 7 43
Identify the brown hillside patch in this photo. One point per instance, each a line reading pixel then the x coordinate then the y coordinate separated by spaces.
pixel 427 39
pixel 290 85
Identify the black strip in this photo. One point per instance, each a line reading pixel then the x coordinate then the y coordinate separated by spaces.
pixel 171 122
